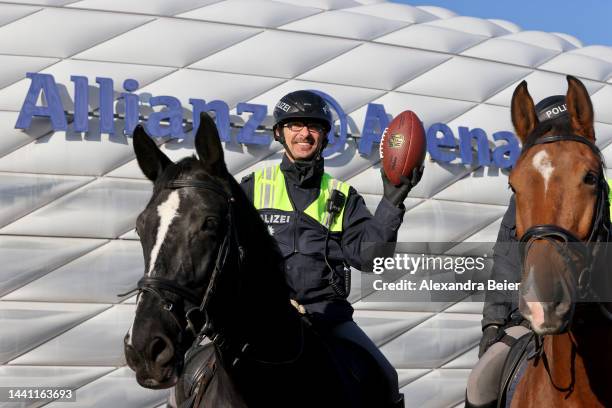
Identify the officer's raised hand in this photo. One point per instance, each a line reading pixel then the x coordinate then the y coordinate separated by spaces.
pixel 397 194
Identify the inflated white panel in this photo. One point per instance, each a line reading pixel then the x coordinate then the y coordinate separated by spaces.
pixel 393 11
pixel 344 24
pixel 27 324
pixel 38 35
pixel 95 277
pixel 446 221
pixel 55 153
pixel 440 12
pixel 41 376
pixel 541 85
pixel 512 52
pixel 490 118
pixel 23 193
pixel 55 3
pixel 103 333
pixel 432 38
pixel 104 208
pixel 383 327
pixel 117 389
pixel 230 88
pixel 12 67
pixel 380 66
pixel 13 96
pixel 12 12
pixel 487 186
pixel 407 375
pixel 428 348
pixel 449 80
pixel 603 134
pixel 171 42
pixel 25 259
pixel 541 39
pixel 261 13
pixel 470 25
pixel 14 138
pixel 580 65
pixel 570 39
pixel 440 388
pixel 299 51
pixel 429 109
pixel 601 104
pixel 507 25
pixel 596 51
pixel 157 7
pixel 322 4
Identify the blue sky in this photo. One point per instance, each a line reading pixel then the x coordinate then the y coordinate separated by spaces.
pixel 588 20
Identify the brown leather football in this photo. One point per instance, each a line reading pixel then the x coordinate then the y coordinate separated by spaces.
pixel 403 146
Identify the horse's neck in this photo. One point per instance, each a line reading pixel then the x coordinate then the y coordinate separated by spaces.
pixel 582 356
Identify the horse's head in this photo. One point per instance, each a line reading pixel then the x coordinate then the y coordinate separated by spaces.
pixel 182 232
pixel 558 182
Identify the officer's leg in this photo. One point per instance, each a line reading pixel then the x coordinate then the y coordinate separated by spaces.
pixel 483 382
pixel 351 332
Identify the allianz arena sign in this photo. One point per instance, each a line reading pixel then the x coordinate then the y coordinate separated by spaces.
pixel 442 144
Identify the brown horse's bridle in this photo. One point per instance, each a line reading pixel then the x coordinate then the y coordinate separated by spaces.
pixel 560 237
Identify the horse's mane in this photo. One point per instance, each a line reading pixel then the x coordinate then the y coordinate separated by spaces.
pixel 558 126
pixel 251 229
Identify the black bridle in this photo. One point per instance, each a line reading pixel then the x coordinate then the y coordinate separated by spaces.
pixel 196 319
pixel 600 227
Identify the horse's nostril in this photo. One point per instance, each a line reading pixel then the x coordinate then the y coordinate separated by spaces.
pixel 161 350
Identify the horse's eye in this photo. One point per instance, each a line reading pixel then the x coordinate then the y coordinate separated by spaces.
pixel 210 224
pixel 590 179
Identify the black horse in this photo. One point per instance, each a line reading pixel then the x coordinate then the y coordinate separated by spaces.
pixel 212 269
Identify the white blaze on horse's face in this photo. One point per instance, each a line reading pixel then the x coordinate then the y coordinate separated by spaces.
pixel 542 163
pixel 166 211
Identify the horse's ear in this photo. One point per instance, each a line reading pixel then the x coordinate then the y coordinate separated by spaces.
pixel 523 112
pixel 580 108
pixel 208 146
pixel 151 160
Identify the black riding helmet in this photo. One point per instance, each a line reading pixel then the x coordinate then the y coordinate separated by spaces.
pixel 301 105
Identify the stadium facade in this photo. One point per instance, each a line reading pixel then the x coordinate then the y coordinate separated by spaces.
pixel 70 187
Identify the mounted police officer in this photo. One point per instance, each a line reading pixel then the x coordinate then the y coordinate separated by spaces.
pixel 502 324
pixel 320 223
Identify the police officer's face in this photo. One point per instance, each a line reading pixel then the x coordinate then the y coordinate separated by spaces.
pixel 303 139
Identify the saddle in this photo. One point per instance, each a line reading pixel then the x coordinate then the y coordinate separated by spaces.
pixel 200 368
pixel 521 350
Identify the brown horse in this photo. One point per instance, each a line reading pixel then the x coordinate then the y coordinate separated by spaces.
pixel 562 218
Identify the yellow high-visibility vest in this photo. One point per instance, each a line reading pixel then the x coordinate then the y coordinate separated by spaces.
pixel 270 192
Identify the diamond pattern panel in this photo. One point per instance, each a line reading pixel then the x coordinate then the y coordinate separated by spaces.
pixel 392 67
pixel 357 26
pixel 104 208
pixel 300 52
pixel 37 34
pixel 447 80
pixel 69 200
pixel 177 43
pixel 261 13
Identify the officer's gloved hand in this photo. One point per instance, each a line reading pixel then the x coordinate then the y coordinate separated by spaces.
pixel 489 337
pixel 397 194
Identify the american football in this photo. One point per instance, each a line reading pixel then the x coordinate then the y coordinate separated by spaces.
pixel 403 146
